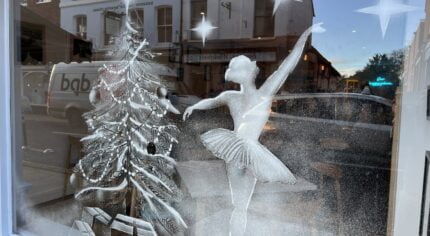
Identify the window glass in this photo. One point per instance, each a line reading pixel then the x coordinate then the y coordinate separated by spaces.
pixel 198 8
pixel 81 26
pixel 202 117
pixel 112 25
pixel 264 19
pixel 164 24
pixel 137 18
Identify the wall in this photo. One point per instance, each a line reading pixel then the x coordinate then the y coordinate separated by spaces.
pixel 48 10
pixel 414 139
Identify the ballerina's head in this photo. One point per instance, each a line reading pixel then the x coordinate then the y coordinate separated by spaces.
pixel 242 70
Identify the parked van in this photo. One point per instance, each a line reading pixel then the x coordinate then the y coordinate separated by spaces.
pixel 69 88
pixel 70 85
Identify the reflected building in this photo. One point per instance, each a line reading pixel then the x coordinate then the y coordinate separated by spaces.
pixel 42 44
pixel 250 28
pixel 243 27
pixel 100 21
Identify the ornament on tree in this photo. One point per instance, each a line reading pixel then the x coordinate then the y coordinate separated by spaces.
pixel 151 149
pixel 129 118
pixel 162 96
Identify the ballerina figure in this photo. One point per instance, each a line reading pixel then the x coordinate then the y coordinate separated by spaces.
pixel 246 159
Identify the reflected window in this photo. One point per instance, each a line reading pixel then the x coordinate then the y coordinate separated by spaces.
pixel 112 26
pixel 137 19
pixel 198 8
pixel 81 26
pixel 164 24
pixel 264 25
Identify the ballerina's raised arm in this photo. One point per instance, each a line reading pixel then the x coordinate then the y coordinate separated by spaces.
pixel 278 78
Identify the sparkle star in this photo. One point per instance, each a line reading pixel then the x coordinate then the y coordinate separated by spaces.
pixel 278 2
pixel 204 28
pixel 385 9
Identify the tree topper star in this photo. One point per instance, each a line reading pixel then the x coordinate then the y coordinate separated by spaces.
pixel 278 2
pixel 385 9
pixel 204 28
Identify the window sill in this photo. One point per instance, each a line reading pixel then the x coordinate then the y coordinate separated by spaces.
pixel 43 2
pixel 163 45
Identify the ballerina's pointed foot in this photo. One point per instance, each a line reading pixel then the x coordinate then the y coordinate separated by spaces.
pixel 317 28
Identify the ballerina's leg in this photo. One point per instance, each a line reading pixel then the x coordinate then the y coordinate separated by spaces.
pixel 242 184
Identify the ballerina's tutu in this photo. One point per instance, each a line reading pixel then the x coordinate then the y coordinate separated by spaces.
pixel 245 153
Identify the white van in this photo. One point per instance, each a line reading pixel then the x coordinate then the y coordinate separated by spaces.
pixel 70 85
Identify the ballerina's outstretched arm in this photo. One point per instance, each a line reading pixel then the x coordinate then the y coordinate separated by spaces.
pixel 278 78
pixel 209 103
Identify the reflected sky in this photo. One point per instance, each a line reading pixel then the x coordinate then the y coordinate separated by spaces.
pixel 353 37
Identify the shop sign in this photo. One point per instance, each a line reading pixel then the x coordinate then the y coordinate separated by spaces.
pixel 380 82
pixel 122 6
pixel 226 57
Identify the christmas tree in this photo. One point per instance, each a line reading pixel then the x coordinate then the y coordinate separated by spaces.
pixel 127 167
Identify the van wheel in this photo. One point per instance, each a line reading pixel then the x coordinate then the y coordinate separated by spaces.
pixel 74 116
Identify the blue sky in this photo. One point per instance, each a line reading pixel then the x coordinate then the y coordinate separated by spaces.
pixel 352 38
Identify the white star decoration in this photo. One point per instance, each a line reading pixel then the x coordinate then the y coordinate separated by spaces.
pixel 204 28
pixel 278 2
pixel 385 9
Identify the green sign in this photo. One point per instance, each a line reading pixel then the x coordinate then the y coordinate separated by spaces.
pixel 380 82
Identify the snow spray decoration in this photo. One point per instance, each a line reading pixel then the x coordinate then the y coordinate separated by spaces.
pixel 204 28
pixel 385 9
pixel 240 148
pixel 127 120
pixel 278 3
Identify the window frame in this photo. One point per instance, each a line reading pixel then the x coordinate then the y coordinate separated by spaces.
pixel 7 54
pixel 77 21
pixel 106 14
pixel 428 102
pixel 136 11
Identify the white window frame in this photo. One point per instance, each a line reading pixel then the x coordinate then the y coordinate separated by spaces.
pixel 42 1
pixel 6 161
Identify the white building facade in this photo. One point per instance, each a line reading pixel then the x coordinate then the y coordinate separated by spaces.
pixel 99 20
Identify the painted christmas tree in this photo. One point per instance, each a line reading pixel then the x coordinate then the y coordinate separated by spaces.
pixel 127 167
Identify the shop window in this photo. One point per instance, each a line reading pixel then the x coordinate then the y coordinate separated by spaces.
pixel 198 8
pixel 264 24
pixel 137 19
pixel 81 26
pixel 112 27
pixel 164 24
pixel 32 38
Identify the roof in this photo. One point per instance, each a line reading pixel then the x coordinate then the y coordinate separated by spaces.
pixel 325 60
